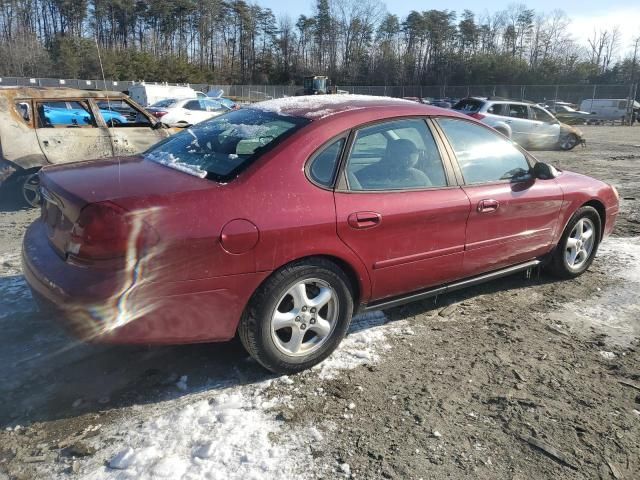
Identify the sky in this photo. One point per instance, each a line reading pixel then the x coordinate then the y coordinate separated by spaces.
pixel 585 15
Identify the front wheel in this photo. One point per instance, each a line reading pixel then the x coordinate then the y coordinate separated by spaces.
pixel 298 316
pixel 569 141
pixel 578 245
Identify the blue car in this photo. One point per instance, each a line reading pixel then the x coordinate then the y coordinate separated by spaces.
pixel 63 113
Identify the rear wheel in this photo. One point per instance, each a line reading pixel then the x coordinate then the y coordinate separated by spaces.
pixel 578 245
pixel 30 188
pixel 298 316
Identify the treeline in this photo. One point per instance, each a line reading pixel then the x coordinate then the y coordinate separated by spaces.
pixel 352 41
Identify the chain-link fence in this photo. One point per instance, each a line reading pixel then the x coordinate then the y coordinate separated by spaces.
pixel 256 93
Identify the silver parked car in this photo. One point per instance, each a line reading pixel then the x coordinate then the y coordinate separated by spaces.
pixel 525 123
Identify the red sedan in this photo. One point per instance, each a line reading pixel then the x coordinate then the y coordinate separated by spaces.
pixel 279 221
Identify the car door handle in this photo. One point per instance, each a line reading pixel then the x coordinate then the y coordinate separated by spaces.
pixel 488 205
pixel 362 220
pixel 508 121
pixel 46 143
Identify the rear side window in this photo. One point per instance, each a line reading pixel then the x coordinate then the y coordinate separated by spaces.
pixel 468 105
pixel 323 166
pixel 56 114
pixel 395 155
pixel 483 155
pixel 194 105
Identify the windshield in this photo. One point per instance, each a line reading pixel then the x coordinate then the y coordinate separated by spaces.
pixel 468 105
pixel 223 146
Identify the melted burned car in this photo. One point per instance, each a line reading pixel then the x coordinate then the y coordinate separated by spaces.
pixel 43 126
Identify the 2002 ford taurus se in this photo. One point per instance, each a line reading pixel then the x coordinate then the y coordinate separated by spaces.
pixel 280 220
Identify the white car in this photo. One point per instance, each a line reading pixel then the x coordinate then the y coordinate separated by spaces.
pixel 184 112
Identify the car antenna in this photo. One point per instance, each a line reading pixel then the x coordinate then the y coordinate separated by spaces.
pixel 104 83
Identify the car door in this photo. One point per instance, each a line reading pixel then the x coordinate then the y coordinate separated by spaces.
pixel 70 134
pixel 399 209
pixel 513 216
pixel 135 135
pixel 546 129
pixel 521 126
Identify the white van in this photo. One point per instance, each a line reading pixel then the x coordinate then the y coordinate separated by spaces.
pixel 148 94
pixel 607 108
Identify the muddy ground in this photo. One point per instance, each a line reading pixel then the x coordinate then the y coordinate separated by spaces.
pixel 515 379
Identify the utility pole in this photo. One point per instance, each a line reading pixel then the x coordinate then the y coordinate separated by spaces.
pixel 633 86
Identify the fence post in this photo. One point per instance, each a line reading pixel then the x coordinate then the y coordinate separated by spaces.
pixel 593 96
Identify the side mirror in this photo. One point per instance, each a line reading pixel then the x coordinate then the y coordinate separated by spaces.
pixel 544 171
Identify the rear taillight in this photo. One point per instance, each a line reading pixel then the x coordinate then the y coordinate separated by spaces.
pixel 105 230
pixel 159 113
pixel 477 116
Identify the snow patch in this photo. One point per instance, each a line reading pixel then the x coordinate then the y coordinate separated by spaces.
pixel 228 435
pixel 320 106
pixel 612 310
pixel 15 296
pixel 367 338
pixel 170 160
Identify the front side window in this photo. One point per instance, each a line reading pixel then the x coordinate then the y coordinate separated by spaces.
pixel 64 114
pixel 499 109
pixel 323 165
pixel 542 116
pixel 222 147
pixel 117 113
pixel 483 155
pixel 518 111
pixel 396 155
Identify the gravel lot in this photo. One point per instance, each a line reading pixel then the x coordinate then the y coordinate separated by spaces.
pixel 515 379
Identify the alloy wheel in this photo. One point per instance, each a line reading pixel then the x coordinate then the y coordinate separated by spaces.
pixel 31 189
pixel 579 244
pixel 304 317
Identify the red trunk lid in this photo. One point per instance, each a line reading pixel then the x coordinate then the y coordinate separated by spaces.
pixel 67 189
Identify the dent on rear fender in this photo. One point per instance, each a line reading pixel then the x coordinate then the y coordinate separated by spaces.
pixel 128 302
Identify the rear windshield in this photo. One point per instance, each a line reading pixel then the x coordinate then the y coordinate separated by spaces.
pixel 468 105
pixel 220 148
pixel 165 103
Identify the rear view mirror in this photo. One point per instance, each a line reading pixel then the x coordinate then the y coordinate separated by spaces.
pixel 544 171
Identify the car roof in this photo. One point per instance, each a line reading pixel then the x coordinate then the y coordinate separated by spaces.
pixel 60 93
pixel 315 107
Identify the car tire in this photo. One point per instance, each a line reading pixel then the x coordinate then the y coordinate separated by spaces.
pixel 568 142
pixel 298 317
pixel 29 185
pixel 578 245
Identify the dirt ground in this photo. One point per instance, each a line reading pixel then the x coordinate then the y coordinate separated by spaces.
pixel 521 378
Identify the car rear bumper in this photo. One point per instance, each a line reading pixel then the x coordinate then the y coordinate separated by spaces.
pixel 105 306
